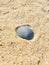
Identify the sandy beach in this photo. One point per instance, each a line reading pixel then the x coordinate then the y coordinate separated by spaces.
pixel 15 50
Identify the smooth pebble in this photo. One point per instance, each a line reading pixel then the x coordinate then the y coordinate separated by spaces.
pixel 24 32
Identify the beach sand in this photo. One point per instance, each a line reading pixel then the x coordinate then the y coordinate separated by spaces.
pixel 15 50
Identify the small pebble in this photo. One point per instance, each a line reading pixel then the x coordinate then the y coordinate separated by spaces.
pixel 24 32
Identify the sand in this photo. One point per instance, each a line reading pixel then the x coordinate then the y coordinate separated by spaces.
pixel 15 50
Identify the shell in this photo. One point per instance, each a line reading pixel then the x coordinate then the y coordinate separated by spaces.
pixel 24 32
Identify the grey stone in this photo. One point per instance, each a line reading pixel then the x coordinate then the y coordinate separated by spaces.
pixel 24 32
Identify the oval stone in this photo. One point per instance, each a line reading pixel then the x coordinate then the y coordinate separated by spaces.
pixel 25 32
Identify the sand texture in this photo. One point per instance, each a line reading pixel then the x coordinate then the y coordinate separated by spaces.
pixel 15 50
